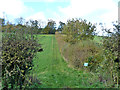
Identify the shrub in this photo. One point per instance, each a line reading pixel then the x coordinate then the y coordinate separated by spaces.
pixel 80 52
pixel 110 65
pixel 17 54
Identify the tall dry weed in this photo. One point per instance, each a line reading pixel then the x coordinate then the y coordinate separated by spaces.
pixel 77 54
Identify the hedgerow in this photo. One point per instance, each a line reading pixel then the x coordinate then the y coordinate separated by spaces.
pixel 18 50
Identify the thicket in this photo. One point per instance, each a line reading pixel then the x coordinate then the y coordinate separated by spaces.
pixel 110 62
pixel 18 49
pixel 111 52
pixel 103 58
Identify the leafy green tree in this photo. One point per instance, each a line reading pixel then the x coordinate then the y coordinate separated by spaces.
pixel 61 25
pixel 78 29
pixel 34 26
pixel 51 25
pixel 46 30
pixel 50 28
pixel 34 23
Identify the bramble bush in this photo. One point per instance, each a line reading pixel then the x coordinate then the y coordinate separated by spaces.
pixel 18 50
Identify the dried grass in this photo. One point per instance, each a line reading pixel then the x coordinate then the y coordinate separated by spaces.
pixel 76 54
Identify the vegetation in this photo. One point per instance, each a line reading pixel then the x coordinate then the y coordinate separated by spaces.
pixel 17 53
pixel 78 30
pixel 60 27
pixel 79 53
pixel 50 28
pixel 101 54
pixel 111 50
pixel 61 64
pixel 53 72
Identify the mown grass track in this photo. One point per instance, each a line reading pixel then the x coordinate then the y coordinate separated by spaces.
pixel 53 71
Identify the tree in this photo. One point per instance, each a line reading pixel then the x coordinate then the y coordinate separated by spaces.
pixel 2 21
pixel 61 25
pixel 50 28
pixel 78 29
pixel 20 21
pixel 34 23
pixel 46 30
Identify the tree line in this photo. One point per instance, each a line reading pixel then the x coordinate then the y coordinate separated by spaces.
pixel 35 25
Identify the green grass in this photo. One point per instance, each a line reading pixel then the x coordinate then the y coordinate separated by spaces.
pixel 98 39
pixel 53 71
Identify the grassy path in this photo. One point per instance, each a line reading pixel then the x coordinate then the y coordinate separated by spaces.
pixel 52 70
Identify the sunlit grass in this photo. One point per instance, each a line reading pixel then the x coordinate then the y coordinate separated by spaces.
pixel 98 39
pixel 53 71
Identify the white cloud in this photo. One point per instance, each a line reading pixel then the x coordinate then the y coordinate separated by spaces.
pixel 109 17
pixel 46 1
pixel 12 7
pixel 57 18
pixel 78 8
pixel 38 16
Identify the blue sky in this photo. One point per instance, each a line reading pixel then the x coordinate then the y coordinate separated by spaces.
pixel 95 11
pixel 47 8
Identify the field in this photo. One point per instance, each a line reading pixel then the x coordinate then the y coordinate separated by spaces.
pixel 53 72
pixel 98 39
